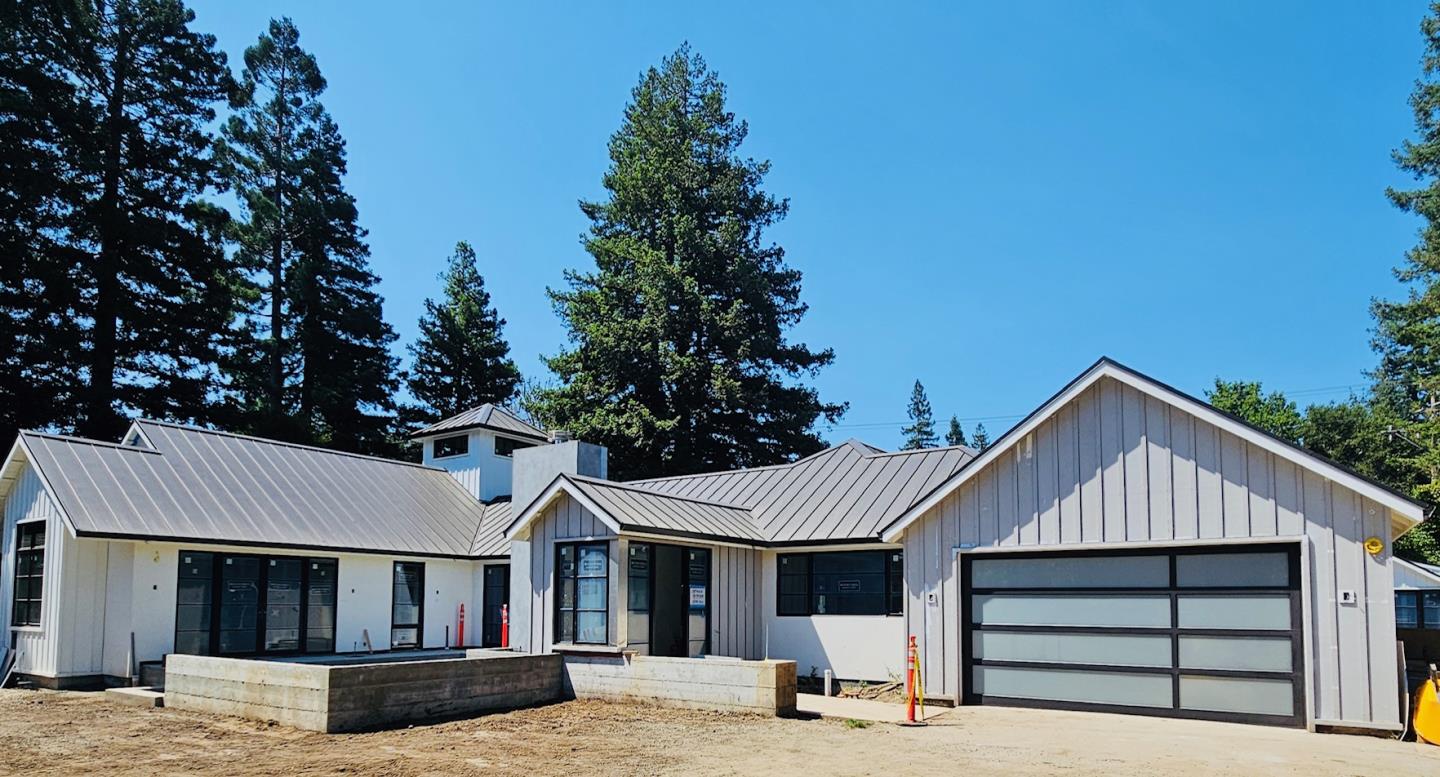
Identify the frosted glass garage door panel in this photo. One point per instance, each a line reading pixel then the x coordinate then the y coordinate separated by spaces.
pixel 1238 570
pixel 1252 654
pixel 1066 610
pixel 1260 611
pixel 1130 690
pixel 1113 649
pixel 1235 694
pixel 1071 572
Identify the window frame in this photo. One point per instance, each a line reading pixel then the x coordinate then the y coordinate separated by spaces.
pixel 573 612
pixel 1417 601
pixel 894 593
pixel 419 625
pixel 464 451
pixel 513 445
pixel 214 560
pixel 34 601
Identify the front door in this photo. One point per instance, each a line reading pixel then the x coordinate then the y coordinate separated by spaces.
pixel 497 595
pixel 667 616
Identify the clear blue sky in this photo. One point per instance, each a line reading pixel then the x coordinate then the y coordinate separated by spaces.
pixel 984 196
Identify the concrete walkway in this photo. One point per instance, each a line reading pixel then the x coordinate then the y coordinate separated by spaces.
pixel 860 709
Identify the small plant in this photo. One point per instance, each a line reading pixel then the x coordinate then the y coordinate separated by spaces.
pixel 855 723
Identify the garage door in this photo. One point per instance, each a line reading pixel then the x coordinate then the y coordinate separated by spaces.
pixel 1196 633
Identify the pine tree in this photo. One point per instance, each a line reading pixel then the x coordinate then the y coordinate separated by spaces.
pixel 317 367
pixel 126 139
pixel 979 439
pixel 955 435
pixel 461 359
pixel 679 352
pixel 1407 332
pixel 921 431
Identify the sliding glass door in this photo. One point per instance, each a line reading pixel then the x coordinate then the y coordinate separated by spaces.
pixel 238 604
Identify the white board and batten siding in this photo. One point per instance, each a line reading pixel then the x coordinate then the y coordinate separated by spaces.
pixel 1116 466
pixel 734 582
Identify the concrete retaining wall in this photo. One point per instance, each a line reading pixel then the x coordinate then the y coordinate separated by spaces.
pixel 712 683
pixel 361 696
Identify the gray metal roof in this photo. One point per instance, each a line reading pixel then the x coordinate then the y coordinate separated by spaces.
pixel 490 539
pixel 205 486
pixel 847 492
pixel 635 508
pixel 486 416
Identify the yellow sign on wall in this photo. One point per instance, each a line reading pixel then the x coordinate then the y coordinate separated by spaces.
pixel 1373 545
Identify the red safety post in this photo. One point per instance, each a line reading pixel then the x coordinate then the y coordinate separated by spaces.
pixel 910 662
pixel 504 625
pixel 460 635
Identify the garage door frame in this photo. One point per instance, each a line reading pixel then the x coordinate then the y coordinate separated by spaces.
pixel 1295 589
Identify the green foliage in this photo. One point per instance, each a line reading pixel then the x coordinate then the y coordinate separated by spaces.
pixel 1271 412
pixel 679 356
pixel 920 433
pixel 955 435
pixel 856 723
pixel 980 439
pixel 125 284
pixel 316 366
pixel 461 359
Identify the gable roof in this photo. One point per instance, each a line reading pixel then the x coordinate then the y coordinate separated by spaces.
pixel 486 416
pixel 1409 511
pixel 1412 575
pixel 198 485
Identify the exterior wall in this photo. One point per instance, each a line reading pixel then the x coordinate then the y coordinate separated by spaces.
pixel 1116 467
pixel 853 647
pixel 710 683
pixel 734 590
pixel 480 471
pixel 38 648
pixel 1410 578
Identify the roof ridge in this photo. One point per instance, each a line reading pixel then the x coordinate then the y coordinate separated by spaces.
pixel 87 441
pixel 965 448
pixel 281 443
pixel 849 443
pixel 662 494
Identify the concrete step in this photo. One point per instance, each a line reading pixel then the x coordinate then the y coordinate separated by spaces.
pixel 138 697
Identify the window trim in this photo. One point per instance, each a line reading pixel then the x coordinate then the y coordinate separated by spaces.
pixel 516 445
pixel 894 572
pixel 419 625
pixel 435 446
pixel 21 528
pixel 573 611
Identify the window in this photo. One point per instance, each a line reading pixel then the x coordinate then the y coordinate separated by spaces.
pixel 407 608
pixel 638 592
pixel 504 446
pixel 459 445
pixel 581 609
pixel 865 582
pixel 29 573
pixel 239 604
pixel 1417 609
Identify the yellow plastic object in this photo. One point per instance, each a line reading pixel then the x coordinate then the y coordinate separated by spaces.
pixel 1427 710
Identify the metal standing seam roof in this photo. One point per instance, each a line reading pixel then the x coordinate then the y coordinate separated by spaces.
pixel 488 416
pixel 490 539
pixel 637 508
pixel 218 488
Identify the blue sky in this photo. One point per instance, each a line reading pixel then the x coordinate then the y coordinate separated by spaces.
pixel 984 196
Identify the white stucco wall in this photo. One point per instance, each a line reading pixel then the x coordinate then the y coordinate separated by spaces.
pixel 854 647
pixel 480 470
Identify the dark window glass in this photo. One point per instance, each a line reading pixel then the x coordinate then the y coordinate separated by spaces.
pixel 239 604
pixel 320 606
pixel 194 599
pixel 697 579
pixel 867 582
pixel 29 573
pixel 504 446
pixel 407 605
pixel 1430 609
pixel 1407 613
pixel 282 604
pixel 458 445
pixel 581 607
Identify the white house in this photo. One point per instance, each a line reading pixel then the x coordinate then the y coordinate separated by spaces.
pixel 1124 548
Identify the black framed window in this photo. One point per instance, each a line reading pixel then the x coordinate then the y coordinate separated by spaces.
pixel 504 446
pixel 29 573
pixel 858 582
pixel 195 603
pixel 1417 609
pixel 407 608
pixel 582 574
pixel 242 604
pixel 320 593
pixel 638 595
pixel 459 445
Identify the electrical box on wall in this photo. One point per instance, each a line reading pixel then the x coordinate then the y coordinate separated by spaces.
pixel 1347 596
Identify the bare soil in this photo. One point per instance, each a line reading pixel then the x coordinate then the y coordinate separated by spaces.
pixel 44 732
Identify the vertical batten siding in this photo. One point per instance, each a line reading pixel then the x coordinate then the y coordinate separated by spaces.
pixel 1116 465
pixel 564 521
pixel 735 601
pixel 38 649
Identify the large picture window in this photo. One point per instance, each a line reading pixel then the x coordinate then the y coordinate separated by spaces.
pixel 29 573
pixel 861 582
pixel 1417 609
pixel 407 610
pixel 241 604
pixel 581 608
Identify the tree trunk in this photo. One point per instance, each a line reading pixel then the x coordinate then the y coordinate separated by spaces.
pixel 276 387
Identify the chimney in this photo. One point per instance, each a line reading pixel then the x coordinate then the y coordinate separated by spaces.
pixel 536 466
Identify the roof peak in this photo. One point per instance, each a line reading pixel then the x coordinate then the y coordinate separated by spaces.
pixel 661 494
pixel 480 416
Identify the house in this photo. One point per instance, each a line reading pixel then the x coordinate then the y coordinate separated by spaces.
pixel 1417 611
pixel 1124 548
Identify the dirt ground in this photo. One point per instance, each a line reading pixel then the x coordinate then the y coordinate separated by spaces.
pixel 45 732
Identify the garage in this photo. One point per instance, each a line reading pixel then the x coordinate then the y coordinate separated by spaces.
pixel 1209 632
